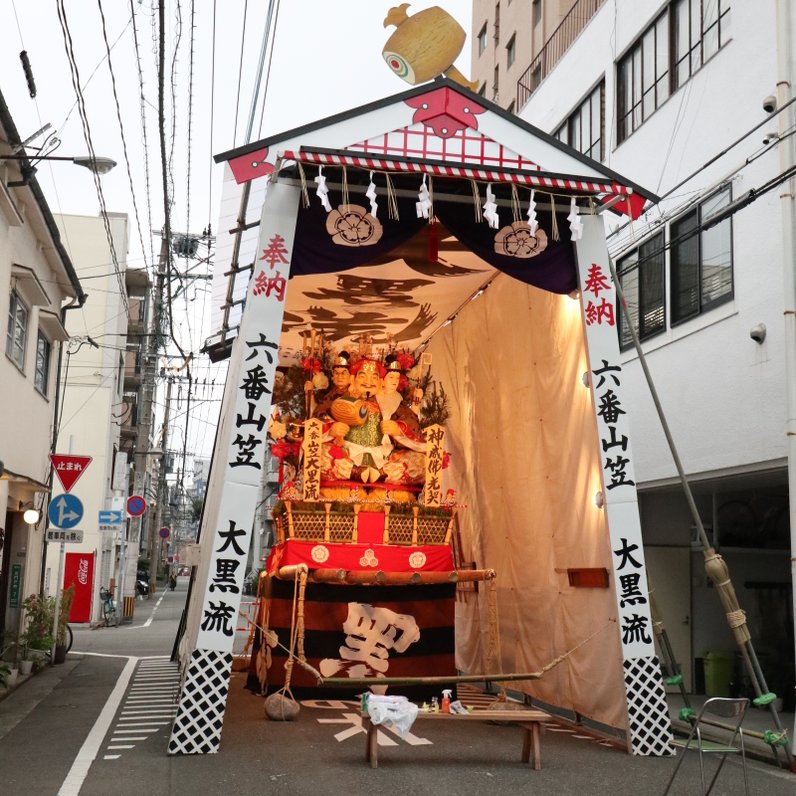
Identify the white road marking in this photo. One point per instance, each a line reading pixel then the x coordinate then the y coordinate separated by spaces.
pixel 142 714
pixel 109 757
pixel 123 746
pixel 152 615
pixel 132 723
pixel 88 752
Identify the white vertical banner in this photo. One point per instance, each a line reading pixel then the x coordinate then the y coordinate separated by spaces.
pixel 648 717
pixel 238 461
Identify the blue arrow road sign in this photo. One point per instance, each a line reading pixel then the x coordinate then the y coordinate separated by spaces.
pixel 65 511
pixel 110 518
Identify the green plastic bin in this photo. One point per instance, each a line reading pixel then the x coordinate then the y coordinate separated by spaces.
pixel 719 670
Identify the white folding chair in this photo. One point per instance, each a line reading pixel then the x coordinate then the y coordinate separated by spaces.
pixel 732 710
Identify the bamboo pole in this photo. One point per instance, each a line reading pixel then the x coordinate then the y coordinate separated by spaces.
pixel 715 567
pixel 379 577
pixel 359 682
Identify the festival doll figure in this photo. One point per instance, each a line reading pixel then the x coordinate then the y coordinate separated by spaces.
pixel 341 382
pixel 359 421
pixel 406 464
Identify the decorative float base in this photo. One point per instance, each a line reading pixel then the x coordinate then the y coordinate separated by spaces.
pixel 362 631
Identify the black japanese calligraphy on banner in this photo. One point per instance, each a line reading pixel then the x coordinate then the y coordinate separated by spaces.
pixel 247 449
pixel 313 433
pixel 435 437
pixel 230 542
pixel 614 443
pixel 606 377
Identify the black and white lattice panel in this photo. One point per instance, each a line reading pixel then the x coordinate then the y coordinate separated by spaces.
pixel 200 715
pixel 648 713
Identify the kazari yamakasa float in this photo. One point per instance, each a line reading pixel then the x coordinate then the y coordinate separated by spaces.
pixel 429 347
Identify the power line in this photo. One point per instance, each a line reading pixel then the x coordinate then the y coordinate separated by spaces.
pixel 121 130
pixel 75 77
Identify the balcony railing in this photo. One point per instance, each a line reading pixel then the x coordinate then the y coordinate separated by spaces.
pixel 573 23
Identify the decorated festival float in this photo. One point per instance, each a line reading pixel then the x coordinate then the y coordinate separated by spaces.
pixel 364 527
pixel 431 225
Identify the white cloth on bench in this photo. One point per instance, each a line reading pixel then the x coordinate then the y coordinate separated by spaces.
pixel 392 711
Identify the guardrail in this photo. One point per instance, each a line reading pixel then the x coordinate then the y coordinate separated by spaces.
pixel 562 37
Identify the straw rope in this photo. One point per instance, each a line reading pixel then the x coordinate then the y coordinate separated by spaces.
pixel 345 201
pixel 305 198
pixel 554 231
pixel 476 201
pixel 736 618
pixel 392 201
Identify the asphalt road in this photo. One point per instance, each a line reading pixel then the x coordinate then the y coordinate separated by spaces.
pixel 99 725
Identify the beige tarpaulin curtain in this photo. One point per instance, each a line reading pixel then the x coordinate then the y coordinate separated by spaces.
pixel 525 461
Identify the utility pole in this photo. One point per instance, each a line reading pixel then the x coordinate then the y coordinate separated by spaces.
pixel 162 492
pixel 147 392
pixel 786 23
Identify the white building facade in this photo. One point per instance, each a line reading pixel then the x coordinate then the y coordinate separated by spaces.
pixel 93 383
pixel 38 283
pixel 689 99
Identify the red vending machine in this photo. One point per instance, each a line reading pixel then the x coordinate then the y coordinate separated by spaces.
pixel 79 570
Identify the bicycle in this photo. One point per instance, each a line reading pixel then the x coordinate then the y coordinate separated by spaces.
pixel 108 608
pixel 69 638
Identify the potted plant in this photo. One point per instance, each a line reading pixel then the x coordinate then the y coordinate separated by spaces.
pixel 63 619
pixel 37 640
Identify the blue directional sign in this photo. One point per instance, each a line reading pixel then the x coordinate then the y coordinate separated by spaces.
pixel 110 518
pixel 65 511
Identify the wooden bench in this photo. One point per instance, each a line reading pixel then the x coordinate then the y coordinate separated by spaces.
pixel 530 721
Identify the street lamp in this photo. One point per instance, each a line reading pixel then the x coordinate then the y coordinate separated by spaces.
pixel 30 514
pixel 98 165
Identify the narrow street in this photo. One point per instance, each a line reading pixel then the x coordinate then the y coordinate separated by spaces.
pixel 100 724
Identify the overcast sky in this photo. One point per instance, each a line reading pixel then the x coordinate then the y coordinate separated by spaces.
pixel 326 59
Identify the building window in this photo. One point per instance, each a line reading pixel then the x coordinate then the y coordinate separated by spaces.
pixel 701 28
pixel 643 78
pixel 536 12
pixel 701 259
pixel 641 274
pixel 683 37
pixel 482 40
pixel 584 129
pixel 41 378
pixel 511 51
pixel 495 83
pixel 17 330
